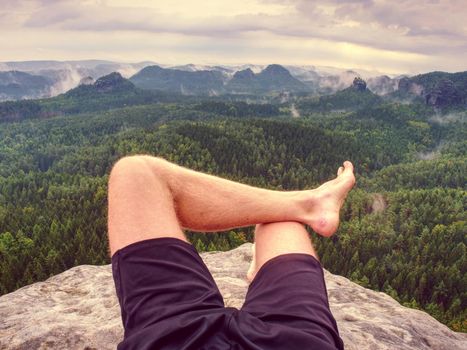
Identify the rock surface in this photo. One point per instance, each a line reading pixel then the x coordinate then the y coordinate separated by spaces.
pixel 78 309
pixel 359 84
pixel 444 94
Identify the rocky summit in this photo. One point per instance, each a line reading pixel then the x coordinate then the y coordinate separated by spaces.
pixel 359 84
pixel 78 309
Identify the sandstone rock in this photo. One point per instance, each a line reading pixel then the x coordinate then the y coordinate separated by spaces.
pixel 443 94
pixel 359 84
pixel 111 82
pixel 86 81
pixel 78 309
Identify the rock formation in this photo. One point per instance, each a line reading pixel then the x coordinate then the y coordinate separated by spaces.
pixel 444 94
pixel 359 84
pixel 86 81
pixel 78 309
pixel 439 90
pixel 110 82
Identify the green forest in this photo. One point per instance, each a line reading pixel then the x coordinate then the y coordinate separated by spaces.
pixel 403 228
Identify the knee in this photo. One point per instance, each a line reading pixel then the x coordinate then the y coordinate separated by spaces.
pixel 130 166
pixel 126 164
pixel 137 169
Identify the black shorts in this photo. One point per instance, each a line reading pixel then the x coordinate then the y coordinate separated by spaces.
pixel 169 300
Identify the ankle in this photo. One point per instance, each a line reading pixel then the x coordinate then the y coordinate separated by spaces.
pixel 305 202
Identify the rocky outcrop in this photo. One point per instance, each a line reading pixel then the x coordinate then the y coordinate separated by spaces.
pixel 78 309
pixel 439 90
pixel 444 94
pixel 86 81
pixel 110 82
pixel 359 84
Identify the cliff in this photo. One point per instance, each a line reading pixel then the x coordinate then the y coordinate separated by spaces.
pixel 78 309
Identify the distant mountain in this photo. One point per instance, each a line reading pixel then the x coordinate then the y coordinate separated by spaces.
pixel 15 85
pixel 94 68
pixel 274 78
pixel 180 81
pixel 189 81
pixel 65 75
pixel 110 91
pixel 437 89
pixel 243 81
pixel 43 79
pixel 60 76
pixel 196 67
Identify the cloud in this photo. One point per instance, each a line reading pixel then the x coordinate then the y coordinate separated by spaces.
pixel 411 26
pixel 418 30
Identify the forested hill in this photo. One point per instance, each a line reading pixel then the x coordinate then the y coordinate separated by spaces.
pixel 355 97
pixel 403 227
pixel 178 81
pixel 110 91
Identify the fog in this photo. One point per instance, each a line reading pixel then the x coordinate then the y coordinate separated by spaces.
pixel 449 118
pixel 433 154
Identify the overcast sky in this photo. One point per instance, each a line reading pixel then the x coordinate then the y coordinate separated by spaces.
pixel 405 36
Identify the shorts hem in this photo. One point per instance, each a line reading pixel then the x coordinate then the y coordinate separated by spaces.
pixel 151 242
pixel 283 258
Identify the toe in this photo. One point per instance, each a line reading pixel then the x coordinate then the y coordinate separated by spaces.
pixel 340 170
pixel 348 165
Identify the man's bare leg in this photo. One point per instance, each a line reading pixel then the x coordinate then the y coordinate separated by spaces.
pixel 150 198
pixel 276 239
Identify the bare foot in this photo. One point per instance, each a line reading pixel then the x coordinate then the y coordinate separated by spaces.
pixel 252 269
pixel 324 203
